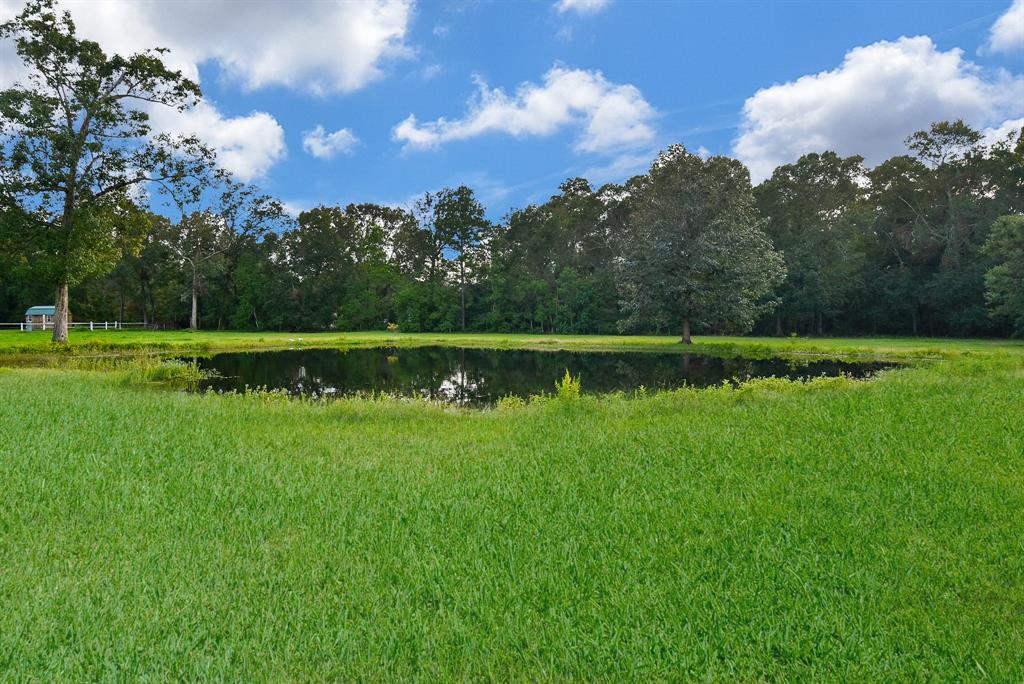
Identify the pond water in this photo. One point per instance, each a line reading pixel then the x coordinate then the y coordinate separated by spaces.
pixel 479 377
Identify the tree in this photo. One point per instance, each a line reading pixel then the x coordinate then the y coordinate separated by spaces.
pixel 815 214
pixel 458 220
pixel 75 139
pixel 1004 282
pixel 551 265
pixel 695 252
pixel 198 240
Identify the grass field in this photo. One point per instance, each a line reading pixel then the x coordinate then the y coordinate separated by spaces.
pixel 832 530
pixel 126 341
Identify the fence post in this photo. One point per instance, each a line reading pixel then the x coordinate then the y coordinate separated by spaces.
pixel 104 325
pixel 90 326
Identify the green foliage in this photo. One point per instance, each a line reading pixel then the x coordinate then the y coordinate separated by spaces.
pixel 510 403
pixel 568 388
pixel 426 307
pixel 169 372
pixel 815 215
pixel 1004 282
pixel 693 251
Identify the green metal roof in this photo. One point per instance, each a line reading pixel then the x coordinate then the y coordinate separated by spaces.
pixel 39 311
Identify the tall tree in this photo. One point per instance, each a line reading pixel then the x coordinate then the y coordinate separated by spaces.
pixel 75 138
pixel 458 222
pixel 198 240
pixel 815 217
pixel 695 252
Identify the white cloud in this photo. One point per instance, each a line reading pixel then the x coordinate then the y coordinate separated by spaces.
pixel 868 105
pixel 293 209
pixel 612 116
pixel 323 145
pixel 996 134
pixel 431 71
pixel 247 146
pixel 1007 34
pixel 581 6
pixel 318 47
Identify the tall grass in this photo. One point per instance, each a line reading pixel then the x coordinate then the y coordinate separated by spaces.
pixel 829 530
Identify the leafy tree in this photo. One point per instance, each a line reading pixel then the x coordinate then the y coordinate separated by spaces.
pixel 199 242
pixel 815 213
pixel 551 266
pixel 695 252
pixel 1004 282
pixel 458 221
pixel 75 138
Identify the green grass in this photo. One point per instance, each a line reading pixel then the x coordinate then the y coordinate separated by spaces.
pixel 144 341
pixel 833 530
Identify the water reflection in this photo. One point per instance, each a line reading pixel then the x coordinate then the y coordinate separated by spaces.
pixel 478 377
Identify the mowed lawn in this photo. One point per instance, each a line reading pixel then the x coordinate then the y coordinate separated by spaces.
pixel 837 530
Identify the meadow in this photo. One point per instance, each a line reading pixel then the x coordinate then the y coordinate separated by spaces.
pixel 825 530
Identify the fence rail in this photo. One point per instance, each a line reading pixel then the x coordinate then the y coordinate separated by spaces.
pixel 90 325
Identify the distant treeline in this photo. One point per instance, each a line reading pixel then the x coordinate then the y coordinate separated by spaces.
pixel 914 246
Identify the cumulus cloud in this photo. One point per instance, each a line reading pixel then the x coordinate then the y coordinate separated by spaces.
pixel 318 47
pixel 611 116
pixel 581 6
pixel 879 95
pixel 323 145
pixel 997 134
pixel 247 146
pixel 1007 34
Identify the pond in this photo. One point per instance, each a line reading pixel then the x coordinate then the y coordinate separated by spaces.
pixel 479 377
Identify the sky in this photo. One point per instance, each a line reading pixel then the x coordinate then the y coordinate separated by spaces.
pixel 325 102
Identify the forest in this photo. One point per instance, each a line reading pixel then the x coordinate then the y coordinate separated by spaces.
pixel 929 243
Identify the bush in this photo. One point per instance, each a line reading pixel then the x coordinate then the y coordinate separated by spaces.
pixel 568 388
pixel 510 402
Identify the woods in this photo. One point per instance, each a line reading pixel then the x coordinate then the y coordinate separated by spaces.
pixel 926 243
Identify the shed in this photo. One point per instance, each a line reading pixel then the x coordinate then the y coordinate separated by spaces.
pixel 39 315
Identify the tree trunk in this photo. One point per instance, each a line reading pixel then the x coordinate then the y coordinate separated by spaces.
pixel 462 292
pixel 820 325
pixel 144 303
pixel 193 322
pixel 686 331
pixel 60 315
pixel 778 324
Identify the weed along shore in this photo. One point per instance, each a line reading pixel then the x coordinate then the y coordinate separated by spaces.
pixel 832 528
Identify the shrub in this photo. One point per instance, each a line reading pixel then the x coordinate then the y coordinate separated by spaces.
pixel 510 402
pixel 568 388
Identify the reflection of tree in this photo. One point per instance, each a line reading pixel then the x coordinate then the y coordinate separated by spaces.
pixel 481 376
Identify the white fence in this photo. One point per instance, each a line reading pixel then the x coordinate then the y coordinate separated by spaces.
pixel 91 325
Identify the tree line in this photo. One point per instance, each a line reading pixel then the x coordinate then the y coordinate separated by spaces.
pixel 928 242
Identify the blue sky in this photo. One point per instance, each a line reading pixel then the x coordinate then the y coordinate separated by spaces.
pixel 608 84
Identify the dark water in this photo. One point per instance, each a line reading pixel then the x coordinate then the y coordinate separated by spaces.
pixel 478 377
